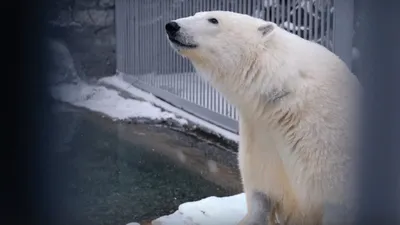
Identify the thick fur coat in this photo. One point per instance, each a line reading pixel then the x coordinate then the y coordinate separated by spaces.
pixel 298 114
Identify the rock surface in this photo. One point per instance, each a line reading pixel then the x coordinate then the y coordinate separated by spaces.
pixel 86 30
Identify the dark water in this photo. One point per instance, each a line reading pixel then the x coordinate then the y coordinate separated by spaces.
pixel 107 180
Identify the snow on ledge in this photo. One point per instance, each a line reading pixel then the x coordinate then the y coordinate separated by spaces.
pixel 118 82
pixel 109 102
pixel 208 211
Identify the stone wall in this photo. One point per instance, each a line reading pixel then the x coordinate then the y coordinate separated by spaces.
pixel 84 31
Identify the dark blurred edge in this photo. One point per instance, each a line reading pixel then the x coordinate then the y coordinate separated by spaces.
pixel 34 198
pixel 380 75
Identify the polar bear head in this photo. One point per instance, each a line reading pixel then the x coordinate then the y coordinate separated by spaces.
pixel 224 46
pixel 213 36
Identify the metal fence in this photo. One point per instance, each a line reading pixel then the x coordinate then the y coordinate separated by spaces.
pixel 146 59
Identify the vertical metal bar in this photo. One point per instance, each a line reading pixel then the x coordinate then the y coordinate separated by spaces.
pixel 182 61
pixel 305 26
pixel 132 44
pixel 157 36
pixel 173 65
pixel 194 78
pixel 125 34
pixel 149 43
pixel 316 20
pixel 151 38
pixel 212 100
pixel 146 27
pixel 273 18
pixel 127 8
pixel 343 30
pixel 220 100
pixel 158 29
pixel 202 93
pixel 160 37
pixel 163 50
pixel 278 14
pixel 141 33
pixel 190 76
pixel 250 7
pixel 268 11
pixel 132 40
pixel 186 76
pixel 139 36
pixel 283 14
pixel 289 19
pixel 313 20
pixel 145 33
pixel 297 25
pixel 118 34
pixel 199 91
pixel 179 58
pixel 235 6
pixel 191 89
pixel 323 21
pixel 181 77
pixel 208 90
pixel 127 37
pixel 122 32
pixel 258 9
pixel 212 90
pixel 310 19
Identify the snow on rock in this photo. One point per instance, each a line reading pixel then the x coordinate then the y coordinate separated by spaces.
pixel 109 102
pixel 118 82
pixel 209 211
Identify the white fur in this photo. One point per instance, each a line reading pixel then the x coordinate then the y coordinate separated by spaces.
pixel 297 104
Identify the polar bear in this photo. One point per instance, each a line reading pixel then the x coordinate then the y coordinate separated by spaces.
pixel 297 105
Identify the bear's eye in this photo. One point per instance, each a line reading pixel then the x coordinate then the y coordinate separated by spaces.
pixel 213 21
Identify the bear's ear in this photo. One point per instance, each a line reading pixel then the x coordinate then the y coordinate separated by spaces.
pixel 266 29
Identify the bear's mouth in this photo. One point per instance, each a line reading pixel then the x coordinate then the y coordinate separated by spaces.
pixel 180 44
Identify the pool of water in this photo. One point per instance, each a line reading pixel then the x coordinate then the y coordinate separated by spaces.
pixel 109 180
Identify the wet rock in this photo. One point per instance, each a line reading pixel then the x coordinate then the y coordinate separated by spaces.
pixel 106 3
pixel 95 17
pixel 62 68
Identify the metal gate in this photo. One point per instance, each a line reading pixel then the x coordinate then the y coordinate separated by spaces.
pixel 146 59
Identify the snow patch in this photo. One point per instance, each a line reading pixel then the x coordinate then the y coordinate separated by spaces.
pixel 209 211
pixel 118 82
pixel 109 102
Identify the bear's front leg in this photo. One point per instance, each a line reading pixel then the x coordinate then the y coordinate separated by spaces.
pixel 260 209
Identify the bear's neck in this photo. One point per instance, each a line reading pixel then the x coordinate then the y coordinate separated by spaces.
pixel 248 84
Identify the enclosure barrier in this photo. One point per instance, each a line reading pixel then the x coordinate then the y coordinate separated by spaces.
pixel 145 58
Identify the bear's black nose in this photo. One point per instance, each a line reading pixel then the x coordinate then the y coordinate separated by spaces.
pixel 172 28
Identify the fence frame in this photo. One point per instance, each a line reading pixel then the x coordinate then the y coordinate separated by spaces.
pixel 342 46
pixel 185 105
